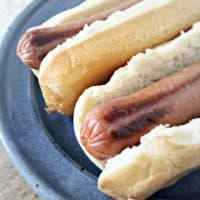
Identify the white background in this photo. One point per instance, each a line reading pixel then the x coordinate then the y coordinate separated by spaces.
pixel 8 10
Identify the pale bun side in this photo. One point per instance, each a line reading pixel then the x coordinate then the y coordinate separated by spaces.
pixel 141 71
pixel 95 53
pixel 163 157
pixel 88 7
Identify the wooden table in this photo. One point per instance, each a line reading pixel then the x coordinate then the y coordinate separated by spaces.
pixel 12 186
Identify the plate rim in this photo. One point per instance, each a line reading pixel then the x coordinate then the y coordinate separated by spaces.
pixel 24 169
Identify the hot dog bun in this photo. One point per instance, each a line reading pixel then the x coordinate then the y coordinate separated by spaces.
pixel 97 51
pixel 164 156
pixel 141 71
pixel 87 8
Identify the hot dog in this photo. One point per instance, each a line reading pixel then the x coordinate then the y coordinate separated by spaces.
pixel 145 141
pixel 120 123
pixel 162 61
pixel 35 45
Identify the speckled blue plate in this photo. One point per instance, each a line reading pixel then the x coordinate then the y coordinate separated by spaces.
pixel 42 146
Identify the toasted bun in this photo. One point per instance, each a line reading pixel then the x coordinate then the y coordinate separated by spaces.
pixel 88 7
pixel 164 156
pixel 141 71
pixel 95 53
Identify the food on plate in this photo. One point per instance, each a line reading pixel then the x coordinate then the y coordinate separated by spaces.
pixel 142 127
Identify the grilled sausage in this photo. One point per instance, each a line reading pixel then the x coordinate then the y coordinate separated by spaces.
pixel 35 45
pixel 119 123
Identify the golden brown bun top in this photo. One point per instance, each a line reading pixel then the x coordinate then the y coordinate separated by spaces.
pixel 97 51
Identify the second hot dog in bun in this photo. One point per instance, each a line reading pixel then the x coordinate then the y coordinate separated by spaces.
pixel 163 88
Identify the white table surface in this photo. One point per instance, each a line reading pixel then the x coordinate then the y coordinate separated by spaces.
pixel 12 185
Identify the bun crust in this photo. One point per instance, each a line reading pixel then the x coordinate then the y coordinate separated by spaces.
pixel 141 71
pixel 163 157
pixel 97 51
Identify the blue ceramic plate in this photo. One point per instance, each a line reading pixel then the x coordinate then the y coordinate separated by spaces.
pixel 42 146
